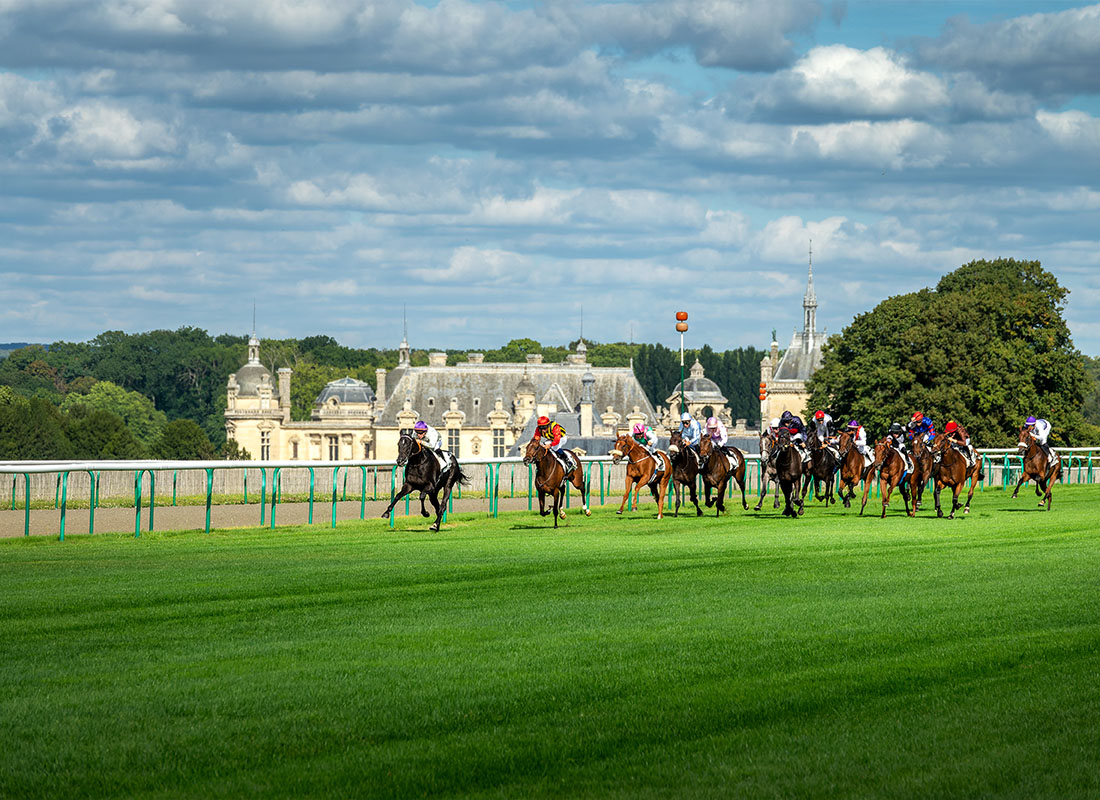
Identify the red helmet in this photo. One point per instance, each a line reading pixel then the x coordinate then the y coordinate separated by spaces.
pixel 950 427
pixel 918 416
pixel 819 415
pixel 542 421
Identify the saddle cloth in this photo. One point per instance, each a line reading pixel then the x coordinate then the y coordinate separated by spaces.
pixel 445 459
pixel 733 461
pixel 836 453
pixel 566 459
pixel 660 461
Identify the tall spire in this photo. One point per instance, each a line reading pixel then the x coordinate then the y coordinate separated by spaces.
pixel 404 354
pixel 809 304
pixel 253 340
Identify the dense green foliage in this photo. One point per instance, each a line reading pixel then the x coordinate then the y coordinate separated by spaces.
pixel 1091 408
pixel 987 347
pixel 750 656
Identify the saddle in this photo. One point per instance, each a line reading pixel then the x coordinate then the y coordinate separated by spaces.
pixel 445 459
pixel 906 460
pixel 659 461
pixel 565 458
pixel 836 453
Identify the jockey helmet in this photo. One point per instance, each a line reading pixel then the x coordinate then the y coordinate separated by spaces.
pixel 918 416
pixel 853 424
pixel 819 414
pixel 685 417
pixel 1029 421
pixel 787 415
pixel 950 427
pixel 712 422
pixel 895 427
pixel 542 421
pixel 639 428
pixel 774 423
pixel 420 426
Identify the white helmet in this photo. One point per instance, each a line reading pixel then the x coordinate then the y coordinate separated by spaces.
pixel 774 423
pixel 685 417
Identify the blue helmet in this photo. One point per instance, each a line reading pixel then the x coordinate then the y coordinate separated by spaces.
pixel 1029 421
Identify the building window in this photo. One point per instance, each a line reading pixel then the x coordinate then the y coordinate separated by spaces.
pixel 265 445
pixel 366 450
pixel 498 442
pixel 452 440
pixel 477 403
pixel 333 448
pixel 294 449
pixel 431 402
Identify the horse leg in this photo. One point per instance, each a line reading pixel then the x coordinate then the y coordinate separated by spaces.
pixel 695 497
pixel 955 504
pixel 626 494
pixel 542 503
pixel 720 491
pixel 406 487
pixel 866 492
pixel 763 493
pixel 1019 483
pixel 904 487
pixel 970 495
pixel 424 511
pixel 1040 491
pixel 659 490
pixel 438 511
pixel 578 481
pixel 885 489
pixel 557 501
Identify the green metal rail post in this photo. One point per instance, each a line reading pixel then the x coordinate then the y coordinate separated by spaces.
pixel 263 493
pixel 64 498
pixel 175 474
pixel 93 479
pixel 363 495
pixel 138 476
pixel 335 475
pixel 209 494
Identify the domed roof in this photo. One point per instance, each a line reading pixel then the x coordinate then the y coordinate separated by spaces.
pixel 525 386
pixel 249 378
pixel 346 390
pixel 698 388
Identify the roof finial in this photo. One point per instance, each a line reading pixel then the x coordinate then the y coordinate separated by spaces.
pixel 253 317
pixel 582 322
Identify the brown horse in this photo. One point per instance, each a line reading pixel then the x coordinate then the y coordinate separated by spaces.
pixel 922 468
pixel 1037 467
pixel 822 469
pixel 788 470
pixel 767 470
pixel 853 468
pixel 950 468
pixel 685 469
pixel 551 478
pixel 718 468
pixel 891 469
pixel 642 471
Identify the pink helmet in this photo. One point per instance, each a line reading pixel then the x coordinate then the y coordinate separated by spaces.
pixel 639 428
pixel 712 422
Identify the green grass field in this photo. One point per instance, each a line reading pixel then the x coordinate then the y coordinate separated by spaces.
pixel 752 656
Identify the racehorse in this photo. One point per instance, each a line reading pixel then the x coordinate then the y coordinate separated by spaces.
pixel 788 470
pixel 767 470
pixel 922 468
pixel 822 468
pixel 423 473
pixel 950 468
pixel 685 468
pixel 853 468
pixel 1037 467
pixel 551 478
pixel 642 471
pixel 718 468
pixel 891 470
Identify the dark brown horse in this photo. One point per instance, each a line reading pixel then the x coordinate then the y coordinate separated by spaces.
pixel 822 469
pixel 922 468
pixel 788 470
pixel 1037 467
pixel 951 469
pixel 685 469
pixel 853 468
pixel 767 469
pixel 551 479
pixel 891 469
pixel 718 468
pixel 642 471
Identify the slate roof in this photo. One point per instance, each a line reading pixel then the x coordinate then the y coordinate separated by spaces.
pixel 485 382
pixel 248 379
pixel 802 358
pixel 346 390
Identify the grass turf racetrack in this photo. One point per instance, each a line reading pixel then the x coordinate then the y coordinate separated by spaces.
pixel 830 656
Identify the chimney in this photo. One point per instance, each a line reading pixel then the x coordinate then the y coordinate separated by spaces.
pixel 284 392
pixel 380 383
pixel 534 358
pixel 437 359
pixel 475 358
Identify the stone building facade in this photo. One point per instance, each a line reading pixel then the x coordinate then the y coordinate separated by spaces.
pixel 785 377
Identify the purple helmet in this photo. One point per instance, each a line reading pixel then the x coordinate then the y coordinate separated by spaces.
pixel 853 424
pixel 1029 421
pixel 420 426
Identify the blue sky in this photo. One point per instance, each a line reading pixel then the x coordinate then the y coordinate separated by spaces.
pixel 498 167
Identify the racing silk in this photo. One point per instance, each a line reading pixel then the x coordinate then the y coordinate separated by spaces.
pixel 796 427
pixel 860 440
pixel 431 438
pixel 925 428
pixel 553 432
pixel 960 436
pixel 647 439
pixel 1041 429
pixel 824 428
pixel 718 435
pixel 692 433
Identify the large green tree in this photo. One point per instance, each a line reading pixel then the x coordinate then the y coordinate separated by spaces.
pixel 135 409
pixel 987 347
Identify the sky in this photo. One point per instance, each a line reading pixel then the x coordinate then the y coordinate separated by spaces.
pixel 497 170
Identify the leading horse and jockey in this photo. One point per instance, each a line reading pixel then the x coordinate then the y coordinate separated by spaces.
pixel 1039 462
pixel 428 470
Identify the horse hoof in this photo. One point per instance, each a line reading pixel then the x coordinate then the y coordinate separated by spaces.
pixel 619 513
pixel 699 512
pixel 966 510
pixel 1042 505
pixel 562 515
pixel 434 528
pixel 587 513
pixel 425 514
pixel 660 516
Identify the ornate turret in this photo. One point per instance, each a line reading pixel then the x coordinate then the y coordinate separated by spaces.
pixel 809 308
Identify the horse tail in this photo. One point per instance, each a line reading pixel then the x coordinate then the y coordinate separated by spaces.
pixel 460 476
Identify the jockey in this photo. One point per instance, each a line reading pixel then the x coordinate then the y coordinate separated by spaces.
pixel 1040 428
pixel 552 436
pixel 427 435
pixel 920 425
pixel 896 437
pixel 797 429
pixel 717 434
pixel 644 435
pixel 773 426
pixel 859 439
pixel 823 423
pixel 958 437
pixel 690 430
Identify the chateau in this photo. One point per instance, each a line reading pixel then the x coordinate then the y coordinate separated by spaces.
pixel 481 409
pixel 783 380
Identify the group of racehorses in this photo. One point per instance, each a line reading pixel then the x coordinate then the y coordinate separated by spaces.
pixel 834 465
